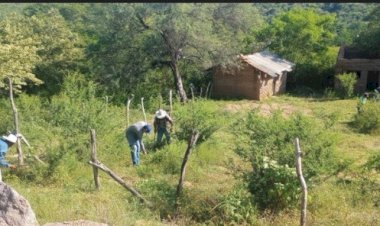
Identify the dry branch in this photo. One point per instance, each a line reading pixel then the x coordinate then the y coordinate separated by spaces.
pixel 38 159
pixel 120 181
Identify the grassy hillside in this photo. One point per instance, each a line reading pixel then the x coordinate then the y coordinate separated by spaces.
pixel 63 188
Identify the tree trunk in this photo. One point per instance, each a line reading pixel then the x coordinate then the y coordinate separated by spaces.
pixel 178 81
pixel 15 115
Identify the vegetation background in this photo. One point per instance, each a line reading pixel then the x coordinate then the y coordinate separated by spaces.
pixel 74 65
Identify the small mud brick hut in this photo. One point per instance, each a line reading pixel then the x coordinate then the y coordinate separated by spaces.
pixel 260 75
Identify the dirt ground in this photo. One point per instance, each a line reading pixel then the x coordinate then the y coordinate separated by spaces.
pixel 265 108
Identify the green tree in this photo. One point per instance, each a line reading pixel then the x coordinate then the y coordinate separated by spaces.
pixel 18 52
pixel 142 37
pixel 198 33
pixel 369 38
pixel 305 37
pixel 60 49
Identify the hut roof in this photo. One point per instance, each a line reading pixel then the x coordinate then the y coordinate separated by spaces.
pixel 268 63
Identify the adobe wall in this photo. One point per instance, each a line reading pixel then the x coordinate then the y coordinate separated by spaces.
pixel 266 83
pixel 236 84
pixel 247 82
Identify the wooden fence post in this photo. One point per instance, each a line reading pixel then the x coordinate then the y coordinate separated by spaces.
pixel 171 102
pixel 94 158
pixel 298 154
pixel 143 109
pixel 15 116
pixel 192 91
pixel 106 103
pixel 192 141
pixel 128 104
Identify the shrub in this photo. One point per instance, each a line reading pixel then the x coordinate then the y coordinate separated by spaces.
pixel 265 139
pixel 329 94
pixel 373 162
pixel 199 115
pixel 275 187
pixel 347 82
pixel 368 120
pixel 236 208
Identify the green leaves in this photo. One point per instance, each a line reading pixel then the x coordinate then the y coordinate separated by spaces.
pixel 369 38
pixel 305 37
pixel 18 52
pixel 347 81
pixel 300 34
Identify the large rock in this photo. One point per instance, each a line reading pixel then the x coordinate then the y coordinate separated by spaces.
pixel 15 209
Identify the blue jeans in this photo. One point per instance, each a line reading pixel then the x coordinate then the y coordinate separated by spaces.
pixel 160 133
pixel 135 153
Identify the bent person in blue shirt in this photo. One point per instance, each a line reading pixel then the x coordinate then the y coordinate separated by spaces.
pixel 5 143
pixel 134 134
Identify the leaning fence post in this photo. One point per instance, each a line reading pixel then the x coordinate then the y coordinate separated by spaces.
pixel 94 158
pixel 298 154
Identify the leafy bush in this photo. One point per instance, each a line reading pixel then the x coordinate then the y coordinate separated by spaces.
pixel 373 162
pixel 275 187
pixel 64 123
pixel 368 120
pixel 76 107
pixel 237 208
pixel 264 139
pixel 347 82
pixel 329 94
pixel 199 115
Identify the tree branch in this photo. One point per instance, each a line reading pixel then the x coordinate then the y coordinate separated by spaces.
pixel 120 181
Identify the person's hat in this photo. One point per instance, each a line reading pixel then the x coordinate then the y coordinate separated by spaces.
pixel 11 138
pixel 160 114
pixel 148 128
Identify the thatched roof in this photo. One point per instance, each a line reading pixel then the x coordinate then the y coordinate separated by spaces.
pixel 268 63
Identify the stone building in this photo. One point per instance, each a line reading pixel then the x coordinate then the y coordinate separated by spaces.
pixel 260 75
pixel 366 67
